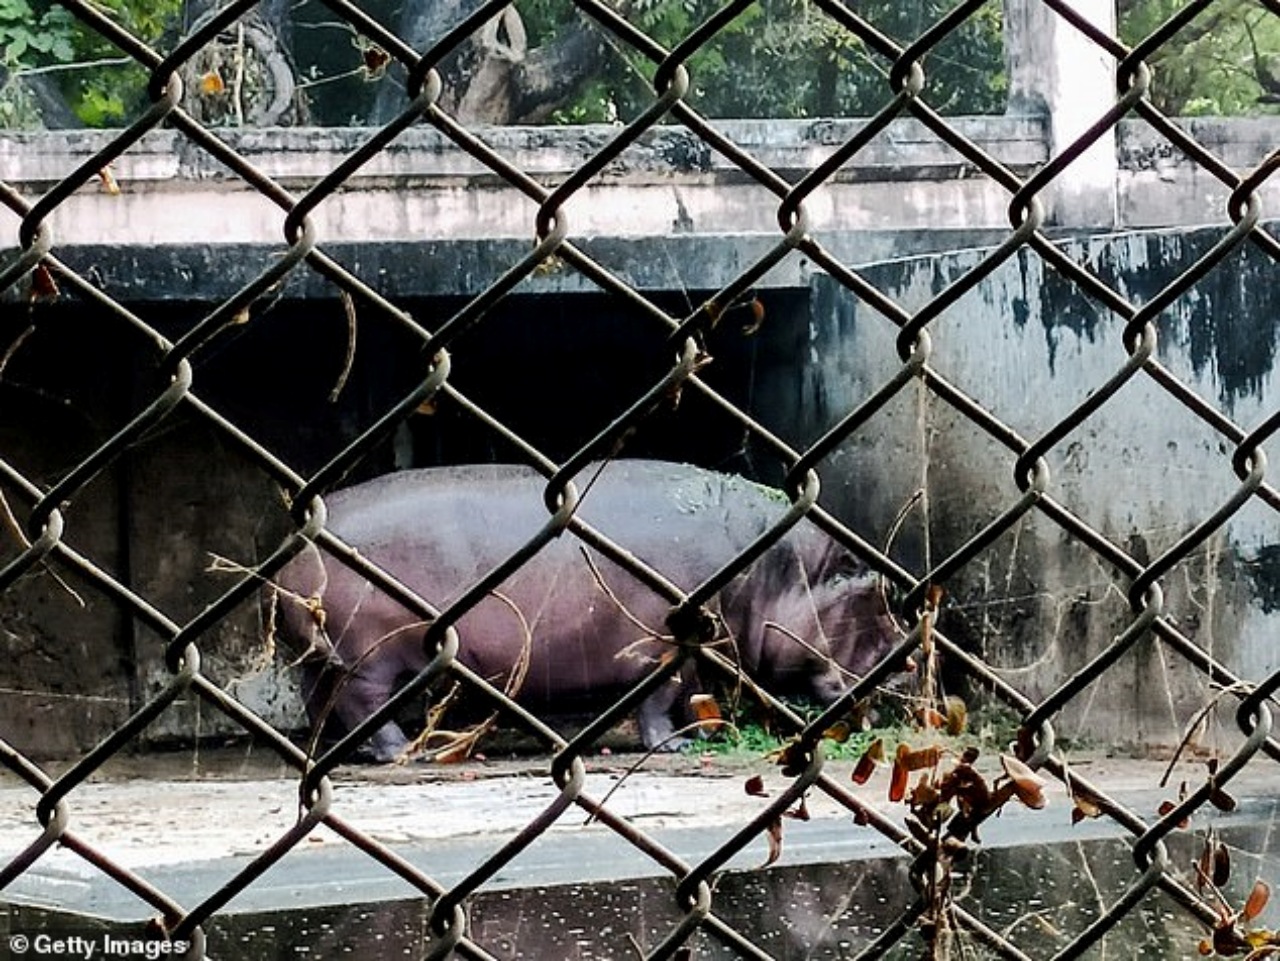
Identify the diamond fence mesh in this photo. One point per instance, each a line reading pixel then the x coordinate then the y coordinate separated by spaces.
pixel 948 805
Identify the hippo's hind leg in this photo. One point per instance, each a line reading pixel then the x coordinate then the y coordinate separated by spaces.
pixel 386 744
pixel 359 698
pixel 354 697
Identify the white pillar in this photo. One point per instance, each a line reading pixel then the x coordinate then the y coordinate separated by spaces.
pixel 1055 71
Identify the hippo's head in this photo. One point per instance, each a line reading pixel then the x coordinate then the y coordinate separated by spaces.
pixel 825 624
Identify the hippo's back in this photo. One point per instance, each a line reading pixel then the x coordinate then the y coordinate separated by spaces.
pixel 685 520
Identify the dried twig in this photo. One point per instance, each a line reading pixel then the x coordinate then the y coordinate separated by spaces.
pixel 460 744
pixel 349 359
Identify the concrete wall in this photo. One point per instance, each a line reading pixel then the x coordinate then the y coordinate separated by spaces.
pixel 1028 346
pixel 1025 344
pixel 423 187
pixel 1159 185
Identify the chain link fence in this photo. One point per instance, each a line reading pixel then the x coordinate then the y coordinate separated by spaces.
pixel 946 809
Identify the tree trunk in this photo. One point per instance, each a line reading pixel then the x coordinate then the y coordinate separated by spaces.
pixel 492 77
pixel 551 74
pixel 245 76
pixel 422 24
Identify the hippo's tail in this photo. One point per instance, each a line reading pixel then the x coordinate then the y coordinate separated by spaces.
pixel 300 621
pixel 293 612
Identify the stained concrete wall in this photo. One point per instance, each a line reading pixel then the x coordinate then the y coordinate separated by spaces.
pixel 1025 344
pixel 1028 346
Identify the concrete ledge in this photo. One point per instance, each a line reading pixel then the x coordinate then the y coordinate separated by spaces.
pixel 1160 184
pixel 297 156
pixel 207 273
pixel 423 187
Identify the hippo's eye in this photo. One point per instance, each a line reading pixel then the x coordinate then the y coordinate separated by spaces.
pixel 846 568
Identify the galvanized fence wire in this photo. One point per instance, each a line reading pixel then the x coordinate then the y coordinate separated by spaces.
pixel 175 389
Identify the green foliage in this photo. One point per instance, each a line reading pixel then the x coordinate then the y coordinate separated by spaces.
pixel 789 59
pixel 28 36
pixel 1226 62
pixel 754 741
pixel 39 38
pixel 25 34
pixel 778 58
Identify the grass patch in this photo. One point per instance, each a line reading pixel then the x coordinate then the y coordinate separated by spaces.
pixel 752 739
pixel 990 728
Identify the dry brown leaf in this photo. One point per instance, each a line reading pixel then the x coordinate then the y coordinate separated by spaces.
pixel 931 719
pixel 1222 800
pixel 898 779
pixel 1166 807
pixel 108 180
pixel 454 754
pixel 1027 785
pixel 704 707
pixel 43 286
pixel 1221 864
pixel 1257 900
pixel 793 758
pixel 801 811
pixel 1084 807
pixel 211 83
pixel 925 757
pixel 838 732
pixel 925 793
pixel 863 770
pixel 375 61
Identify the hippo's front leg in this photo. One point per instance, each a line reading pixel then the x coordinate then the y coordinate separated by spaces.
pixel 656 712
pixel 654 717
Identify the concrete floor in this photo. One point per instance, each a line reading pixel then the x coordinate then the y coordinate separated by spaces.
pixel 184 822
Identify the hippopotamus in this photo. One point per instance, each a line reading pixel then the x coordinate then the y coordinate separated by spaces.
pixel 804 619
